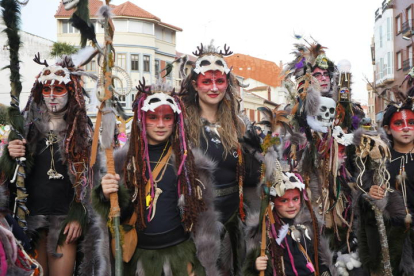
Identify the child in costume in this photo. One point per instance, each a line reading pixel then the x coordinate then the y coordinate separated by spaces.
pixel 58 134
pixel 390 191
pixel 165 191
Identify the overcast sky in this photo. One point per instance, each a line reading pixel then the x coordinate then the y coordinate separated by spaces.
pixel 260 28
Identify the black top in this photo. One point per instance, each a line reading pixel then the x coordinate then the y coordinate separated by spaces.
pixel 48 196
pixel 226 171
pixel 167 215
pixel 394 170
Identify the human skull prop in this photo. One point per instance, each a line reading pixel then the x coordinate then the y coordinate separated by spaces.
pixel 326 114
pixel 70 4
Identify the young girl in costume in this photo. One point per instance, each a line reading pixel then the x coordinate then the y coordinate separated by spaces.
pixel 282 240
pixel 58 134
pixel 210 96
pixel 168 188
pixel 394 198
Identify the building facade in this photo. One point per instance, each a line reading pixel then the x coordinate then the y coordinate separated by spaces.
pixel 31 45
pixel 392 52
pixel 144 45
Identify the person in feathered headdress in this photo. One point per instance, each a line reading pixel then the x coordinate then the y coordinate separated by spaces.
pixel 165 192
pixel 59 135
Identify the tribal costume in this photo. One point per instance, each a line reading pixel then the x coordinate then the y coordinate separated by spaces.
pixel 168 188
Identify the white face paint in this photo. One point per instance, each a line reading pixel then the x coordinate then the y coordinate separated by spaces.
pixel 70 4
pixel 158 99
pixel 326 114
pixel 56 97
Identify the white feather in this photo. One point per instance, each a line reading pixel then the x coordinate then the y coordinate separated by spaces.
pixel 282 233
pixel 82 55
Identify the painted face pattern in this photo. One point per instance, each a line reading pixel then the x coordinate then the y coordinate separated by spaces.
pixel 159 124
pixel 212 81
pixel 288 205
pixel 402 121
pixel 55 96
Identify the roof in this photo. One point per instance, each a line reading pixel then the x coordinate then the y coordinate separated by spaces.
pixel 126 9
pixel 258 69
pixel 258 88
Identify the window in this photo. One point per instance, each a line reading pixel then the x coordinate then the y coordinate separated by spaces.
pixel 389 63
pixel 398 24
pixel 146 63
pixel 91 66
pixel 410 16
pixel 410 56
pixel 380 36
pixel 121 60
pixel 381 68
pixel 67 28
pixel 121 25
pixel 388 29
pixel 122 101
pixel 132 97
pixel 399 63
pixel 157 68
pixel 134 62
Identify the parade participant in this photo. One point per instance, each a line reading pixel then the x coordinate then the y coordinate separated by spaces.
pixel 165 191
pixel 209 94
pixel 392 193
pixel 58 134
pixel 284 239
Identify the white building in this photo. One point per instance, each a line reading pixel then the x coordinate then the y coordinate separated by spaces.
pixel 31 45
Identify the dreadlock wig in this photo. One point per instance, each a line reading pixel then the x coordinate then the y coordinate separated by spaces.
pixel 137 162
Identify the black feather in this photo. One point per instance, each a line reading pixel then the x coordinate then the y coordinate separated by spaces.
pixel 86 29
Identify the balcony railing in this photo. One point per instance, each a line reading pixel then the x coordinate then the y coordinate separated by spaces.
pixel 407 29
pixel 407 64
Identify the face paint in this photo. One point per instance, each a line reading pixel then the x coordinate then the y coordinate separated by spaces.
pixel 159 124
pixel 288 205
pixel 211 87
pixel 402 121
pixel 55 96
pixel 323 79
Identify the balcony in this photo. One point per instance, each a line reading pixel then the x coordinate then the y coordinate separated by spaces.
pixel 407 29
pixel 377 14
pixel 386 4
pixel 407 64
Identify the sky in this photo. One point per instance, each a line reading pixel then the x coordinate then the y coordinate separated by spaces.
pixel 262 28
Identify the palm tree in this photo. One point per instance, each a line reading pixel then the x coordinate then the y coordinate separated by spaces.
pixel 62 48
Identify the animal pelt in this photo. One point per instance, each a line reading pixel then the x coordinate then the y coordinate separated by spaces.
pixel 315 124
pixel 360 131
pixel 313 101
pixel 206 235
pixel 54 225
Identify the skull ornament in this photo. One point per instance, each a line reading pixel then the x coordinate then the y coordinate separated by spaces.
pixel 289 181
pixel 211 63
pixel 326 112
pixel 70 4
pixel 55 73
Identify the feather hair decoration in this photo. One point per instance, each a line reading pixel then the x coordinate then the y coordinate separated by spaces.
pixel 274 118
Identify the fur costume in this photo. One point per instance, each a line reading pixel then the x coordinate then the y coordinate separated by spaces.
pixel 253 237
pixel 400 236
pixel 206 234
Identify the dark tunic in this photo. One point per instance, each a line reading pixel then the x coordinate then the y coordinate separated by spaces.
pixel 225 174
pixel 394 170
pixel 165 228
pixel 48 196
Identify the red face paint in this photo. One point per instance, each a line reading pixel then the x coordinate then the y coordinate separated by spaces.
pixel 211 87
pixel 288 205
pixel 402 121
pixel 159 124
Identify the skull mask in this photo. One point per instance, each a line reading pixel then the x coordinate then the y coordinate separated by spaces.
pixel 55 73
pixel 211 63
pixel 70 4
pixel 326 112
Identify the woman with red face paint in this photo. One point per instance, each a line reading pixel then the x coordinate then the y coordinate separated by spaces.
pixel 165 192
pixel 210 96
pixel 397 202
